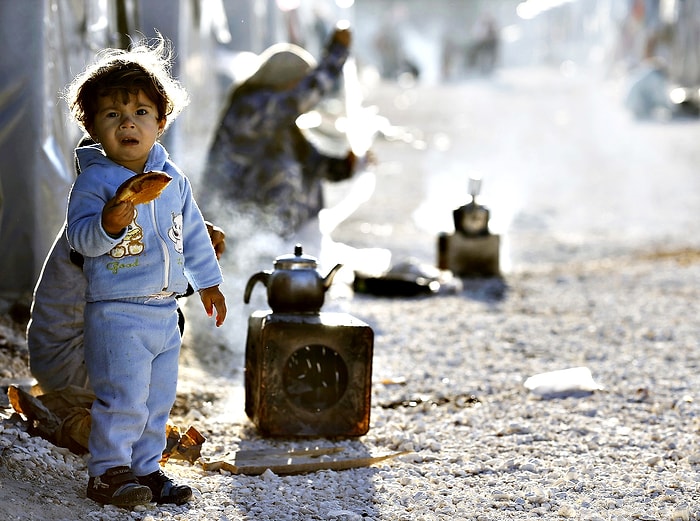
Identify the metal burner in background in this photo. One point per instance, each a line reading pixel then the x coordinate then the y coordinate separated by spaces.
pixel 472 219
pixel 472 250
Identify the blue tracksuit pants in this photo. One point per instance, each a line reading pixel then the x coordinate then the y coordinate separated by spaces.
pixel 132 347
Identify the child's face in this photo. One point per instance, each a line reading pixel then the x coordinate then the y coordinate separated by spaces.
pixel 127 131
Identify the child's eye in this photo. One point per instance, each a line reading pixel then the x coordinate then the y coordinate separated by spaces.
pixel 112 115
pixel 142 112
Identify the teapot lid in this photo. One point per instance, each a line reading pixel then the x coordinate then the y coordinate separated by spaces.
pixel 295 261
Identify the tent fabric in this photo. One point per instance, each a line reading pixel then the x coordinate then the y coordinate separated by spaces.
pixel 42 42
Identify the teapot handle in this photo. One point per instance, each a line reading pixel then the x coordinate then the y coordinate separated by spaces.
pixel 262 276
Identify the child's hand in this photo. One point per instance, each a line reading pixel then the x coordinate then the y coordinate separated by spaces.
pixel 213 298
pixel 117 216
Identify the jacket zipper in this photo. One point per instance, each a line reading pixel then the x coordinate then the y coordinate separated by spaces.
pixel 163 245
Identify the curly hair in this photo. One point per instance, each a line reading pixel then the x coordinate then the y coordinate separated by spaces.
pixel 145 66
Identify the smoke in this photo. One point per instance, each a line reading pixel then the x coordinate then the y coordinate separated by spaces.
pixel 250 247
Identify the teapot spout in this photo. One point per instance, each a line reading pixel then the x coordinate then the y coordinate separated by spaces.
pixel 329 278
pixel 262 276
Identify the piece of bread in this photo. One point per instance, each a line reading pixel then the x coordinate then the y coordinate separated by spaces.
pixel 143 188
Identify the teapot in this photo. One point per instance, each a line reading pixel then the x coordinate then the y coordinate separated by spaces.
pixel 295 285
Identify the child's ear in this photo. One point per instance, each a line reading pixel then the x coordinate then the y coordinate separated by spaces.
pixel 92 136
pixel 161 126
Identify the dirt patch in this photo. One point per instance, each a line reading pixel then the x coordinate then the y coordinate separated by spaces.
pixel 683 256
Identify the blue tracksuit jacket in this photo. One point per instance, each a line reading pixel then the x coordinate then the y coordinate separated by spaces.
pixel 166 245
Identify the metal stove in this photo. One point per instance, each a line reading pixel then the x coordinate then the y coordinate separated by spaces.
pixel 307 373
pixel 472 250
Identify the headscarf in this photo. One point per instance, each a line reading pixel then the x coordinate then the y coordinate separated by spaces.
pixel 280 65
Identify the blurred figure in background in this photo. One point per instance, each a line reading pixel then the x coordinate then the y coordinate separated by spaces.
pixel 647 93
pixel 260 167
pixel 389 46
pixel 482 54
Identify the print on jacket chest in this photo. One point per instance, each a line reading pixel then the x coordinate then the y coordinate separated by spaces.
pixel 175 232
pixel 132 243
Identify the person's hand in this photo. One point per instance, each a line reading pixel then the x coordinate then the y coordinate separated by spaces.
pixel 369 159
pixel 342 34
pixel 212 298
pixel 356 163
pixel 117 215
pixel 218 239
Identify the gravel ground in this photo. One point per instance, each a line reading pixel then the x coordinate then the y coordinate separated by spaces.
pixel 448 386
pixel 481 445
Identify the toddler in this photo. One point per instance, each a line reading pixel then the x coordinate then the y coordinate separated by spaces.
pixel 137 260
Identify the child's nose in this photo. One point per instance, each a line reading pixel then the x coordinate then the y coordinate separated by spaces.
pixel 126 122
